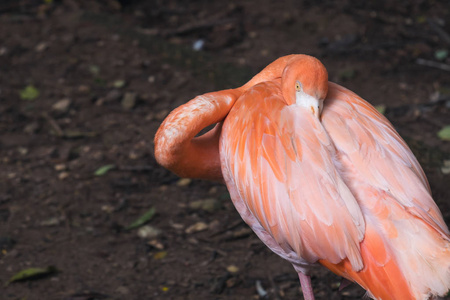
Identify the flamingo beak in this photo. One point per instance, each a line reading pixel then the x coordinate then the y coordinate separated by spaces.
pixel 309 102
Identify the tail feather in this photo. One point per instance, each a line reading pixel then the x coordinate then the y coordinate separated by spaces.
pixel 418 268
pixel 381 276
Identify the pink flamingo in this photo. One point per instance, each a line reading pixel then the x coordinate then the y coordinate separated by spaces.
pixel 319 175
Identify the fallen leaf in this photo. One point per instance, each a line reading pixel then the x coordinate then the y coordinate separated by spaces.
pixel 94 69
pixel 444 133
pixel 29 93
pixel 381 108
pixel 160 255
pixel 32 273
pixel 119 83
pixel 129 101
pixel 143 219
pixel 209 205
pixel 54 221
pixel 104 169
pixel 441 54
pixel 445 169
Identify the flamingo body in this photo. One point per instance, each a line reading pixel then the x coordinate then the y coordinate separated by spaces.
pixel 321 177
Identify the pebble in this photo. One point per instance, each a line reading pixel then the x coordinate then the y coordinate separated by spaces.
pixel 232 269
pixel 62 106
pixel 197 227
pixel 148 232
pixel 184 182
pixel 31 128
pixel 63 175
pixel 129 100
pixel 209 205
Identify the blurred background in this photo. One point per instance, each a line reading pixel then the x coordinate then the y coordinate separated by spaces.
pixel 85 211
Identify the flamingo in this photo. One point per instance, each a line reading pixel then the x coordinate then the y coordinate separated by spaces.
pixel 320 176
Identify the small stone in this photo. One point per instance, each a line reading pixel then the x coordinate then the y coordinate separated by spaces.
pixel 41 47
pixel 445 169
pixel 209 205
pixel 22 150
pixel 31 128
pixel 197 227
pixel 63 175
pixel 156 244
pixel 107 208
pixel 62 106
pixel 51 222
pixel 60 167
pixel 177 226
pixel 3 51
pixel 119 83
pixel 148 232
pixel 232 269
pixel 184 182
pixel 129 100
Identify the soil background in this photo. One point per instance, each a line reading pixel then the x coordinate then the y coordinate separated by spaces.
pixel 103 74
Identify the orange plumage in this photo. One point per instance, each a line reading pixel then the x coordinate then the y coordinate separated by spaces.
pixel 320 176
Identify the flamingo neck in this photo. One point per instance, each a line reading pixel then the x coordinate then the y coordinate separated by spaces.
pixel 176 146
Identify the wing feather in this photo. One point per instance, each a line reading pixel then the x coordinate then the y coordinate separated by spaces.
pixel 368 143
pixel 286 180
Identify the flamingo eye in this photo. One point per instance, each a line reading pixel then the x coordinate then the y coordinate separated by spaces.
pixel 298 86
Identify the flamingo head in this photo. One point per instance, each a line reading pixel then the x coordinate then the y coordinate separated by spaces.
pixel 304 82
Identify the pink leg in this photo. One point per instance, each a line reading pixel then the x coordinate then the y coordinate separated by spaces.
pixel 305 281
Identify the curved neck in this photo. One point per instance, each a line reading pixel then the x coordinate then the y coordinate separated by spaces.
pixel 176 146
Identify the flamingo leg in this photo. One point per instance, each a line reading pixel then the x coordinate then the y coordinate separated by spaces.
pixel 305 282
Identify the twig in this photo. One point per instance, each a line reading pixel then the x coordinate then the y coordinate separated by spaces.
pixel 433 64
pixel 58 131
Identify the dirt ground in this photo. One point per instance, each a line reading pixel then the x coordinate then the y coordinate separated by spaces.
pixel 102 75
